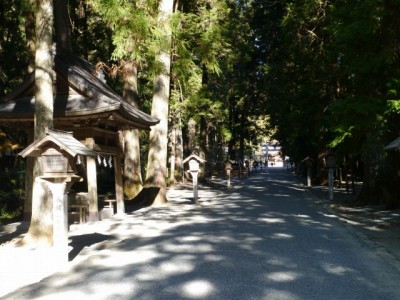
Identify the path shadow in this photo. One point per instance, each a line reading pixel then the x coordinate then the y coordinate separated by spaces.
pixel 85 240
pixel 145 198
pixel 19 230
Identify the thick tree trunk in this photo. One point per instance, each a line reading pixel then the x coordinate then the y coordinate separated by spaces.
pixel 375 185
pixel 61 17
pixel 41 227
pixel 157 160
pixel 176 151
pixel 133 183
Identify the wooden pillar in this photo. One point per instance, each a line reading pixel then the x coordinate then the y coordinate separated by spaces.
pixel 28 188
pixel 92 189
pixel 119 191
pixel 29 164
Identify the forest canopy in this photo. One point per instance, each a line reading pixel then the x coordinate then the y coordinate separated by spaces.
pixel 314 75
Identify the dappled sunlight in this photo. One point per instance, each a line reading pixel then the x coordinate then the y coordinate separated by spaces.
pixel 199 248
pixel 322 251
pixel 352 222
pixel 281 236
pixel 280 195
pixel 282 276
pixel 279 294
pixel 197 289
pixel 365 218
pixel 237 244
pixel 271 220
pixel 176 267
pixel 336 270
pixel 302 216
pixel 213 258
pixel 312 222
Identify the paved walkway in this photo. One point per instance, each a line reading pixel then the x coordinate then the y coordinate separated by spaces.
pixel 268 237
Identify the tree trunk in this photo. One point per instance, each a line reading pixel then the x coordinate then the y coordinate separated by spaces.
pixel 172 138
pixel 176 150
pixel 374 188
pixel 179 150
pixel 157 160
pixel 61 17
pixel 133 183
pixel 41 227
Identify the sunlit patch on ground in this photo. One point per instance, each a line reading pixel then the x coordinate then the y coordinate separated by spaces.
pixel 322 251
pixel 302 216
pixel 281 236
pixel 197 289
pixel 336 270
pixel 282 276
pixel 175 267
pixel 271 220
pixel 279 294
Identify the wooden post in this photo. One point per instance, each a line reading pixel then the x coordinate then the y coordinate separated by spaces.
pixel 330 178
pixel 92 189
pixel 119 192
pixel 28 188
pixel 29 165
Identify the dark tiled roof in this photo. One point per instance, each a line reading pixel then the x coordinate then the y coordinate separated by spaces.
pixel 395 145
pixel 64 140
pixel 79 93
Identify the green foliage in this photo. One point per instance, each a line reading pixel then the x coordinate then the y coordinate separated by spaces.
pixel 91 38
pixel 11 194
pixel 393 95
pixel 326 73
pixel 132 24
pixel 15 33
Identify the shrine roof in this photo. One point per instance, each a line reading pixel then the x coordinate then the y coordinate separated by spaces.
pixel 79 93
pixel 63 140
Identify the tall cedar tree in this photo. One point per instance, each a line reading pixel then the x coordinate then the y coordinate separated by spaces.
pixel 41 229
pixel 157 161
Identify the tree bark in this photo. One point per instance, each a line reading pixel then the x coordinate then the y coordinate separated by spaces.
pixel 172 158
pixel 157 160
pixel 63 36
pixel 41 228
pixel 133 182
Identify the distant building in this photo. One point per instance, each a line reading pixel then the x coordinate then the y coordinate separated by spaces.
pixel 274 154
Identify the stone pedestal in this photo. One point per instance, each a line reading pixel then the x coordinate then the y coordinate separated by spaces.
pixel 195 185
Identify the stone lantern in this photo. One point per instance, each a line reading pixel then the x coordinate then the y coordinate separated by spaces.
pixel 194 169
pixel 330 160
pixel 57 151
pixel 228 168
pixel 194 165
pixel 308 162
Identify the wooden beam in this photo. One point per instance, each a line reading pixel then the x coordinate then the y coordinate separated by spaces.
pixel 101 149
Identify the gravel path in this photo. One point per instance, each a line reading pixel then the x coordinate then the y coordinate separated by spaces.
pixel 266 238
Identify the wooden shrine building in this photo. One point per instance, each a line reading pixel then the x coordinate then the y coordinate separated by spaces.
pixel 86 106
